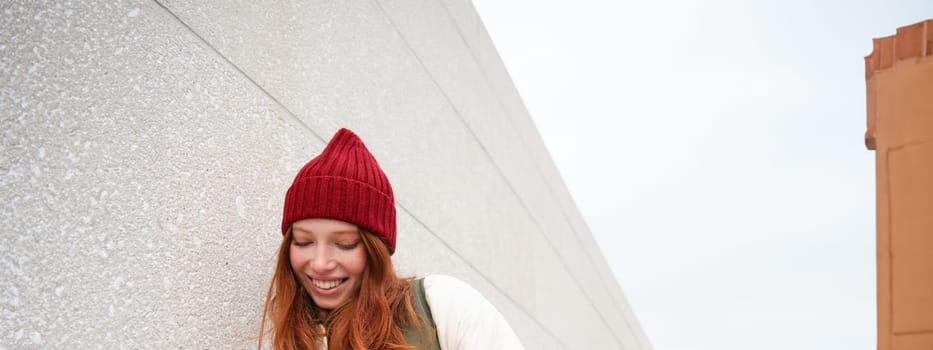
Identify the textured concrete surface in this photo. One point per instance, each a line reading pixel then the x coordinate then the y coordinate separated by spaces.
pixel 147 146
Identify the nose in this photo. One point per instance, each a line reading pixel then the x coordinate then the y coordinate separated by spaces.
pixel 323 260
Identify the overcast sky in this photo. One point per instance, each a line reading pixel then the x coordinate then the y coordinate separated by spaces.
pixel 716 150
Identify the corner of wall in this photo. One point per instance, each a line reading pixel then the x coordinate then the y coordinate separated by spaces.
pixel 912 42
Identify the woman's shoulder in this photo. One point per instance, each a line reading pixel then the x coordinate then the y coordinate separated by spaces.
pixel 441 288
pixel 448 294
pixel 464 318
pixel 444 282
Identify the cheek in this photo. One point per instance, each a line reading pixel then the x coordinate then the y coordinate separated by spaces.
pixel 357 263
pixel 296 259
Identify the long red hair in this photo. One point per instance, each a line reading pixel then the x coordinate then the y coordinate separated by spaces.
pixel 372 319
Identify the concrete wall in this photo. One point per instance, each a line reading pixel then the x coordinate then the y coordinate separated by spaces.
pixel 147 146
pixel 899 73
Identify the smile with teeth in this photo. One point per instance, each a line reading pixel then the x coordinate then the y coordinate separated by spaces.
pixel 327 284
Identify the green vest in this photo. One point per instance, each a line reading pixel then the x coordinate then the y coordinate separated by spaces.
pixel 426 337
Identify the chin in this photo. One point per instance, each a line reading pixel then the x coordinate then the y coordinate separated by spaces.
pixel 329 302
pixel 327 305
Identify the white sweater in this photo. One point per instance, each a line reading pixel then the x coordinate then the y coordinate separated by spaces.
pixel 465 320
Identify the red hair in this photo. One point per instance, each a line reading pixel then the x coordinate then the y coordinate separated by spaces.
pixel 373 318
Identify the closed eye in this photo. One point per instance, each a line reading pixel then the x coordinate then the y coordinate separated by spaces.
pixel 301 244
pixel 348 246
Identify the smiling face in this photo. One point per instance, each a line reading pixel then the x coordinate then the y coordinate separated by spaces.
pixel 328 258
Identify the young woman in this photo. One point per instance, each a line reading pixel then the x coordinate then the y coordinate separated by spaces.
pixel 334 286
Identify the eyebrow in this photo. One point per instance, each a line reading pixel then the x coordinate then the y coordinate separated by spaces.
pixel 345 232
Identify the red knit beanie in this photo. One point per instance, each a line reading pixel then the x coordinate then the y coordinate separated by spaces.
pixel 343 183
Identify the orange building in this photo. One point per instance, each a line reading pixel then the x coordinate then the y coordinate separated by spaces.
pixel 899 78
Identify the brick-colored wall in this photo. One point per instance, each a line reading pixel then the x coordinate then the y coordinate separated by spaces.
pixel 899 77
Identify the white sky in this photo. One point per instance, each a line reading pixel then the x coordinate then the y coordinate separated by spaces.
pixel 715 149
